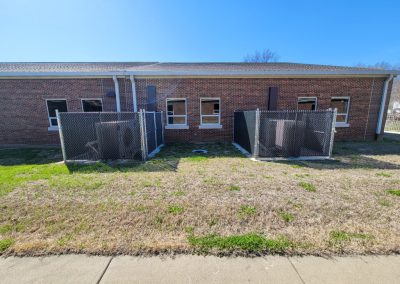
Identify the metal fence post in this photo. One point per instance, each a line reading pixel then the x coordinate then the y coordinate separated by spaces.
pixel 155 129
pixel 162 127
pixel 295 126
pixel 257 135
pixel 145 133
pixel 142 135
pixel 332 132
pixel 233 127
pixel 61 136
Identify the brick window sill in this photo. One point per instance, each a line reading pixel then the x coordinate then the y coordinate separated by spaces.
pixel 210 126
pixel 53 128
pixel 342 125
pixel 177 126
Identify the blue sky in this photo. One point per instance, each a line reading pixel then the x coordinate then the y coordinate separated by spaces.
pixel 331 32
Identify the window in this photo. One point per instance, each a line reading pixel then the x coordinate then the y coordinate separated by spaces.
pixel 210 112
pixel 307 103
pixel 176 112
pixel 92 105
pixel 52 106
pixel 342 104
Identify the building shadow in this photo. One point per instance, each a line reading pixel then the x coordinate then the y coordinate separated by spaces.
pixel 346 155
pixel 30 156
pixel 167 159
pixel 358 155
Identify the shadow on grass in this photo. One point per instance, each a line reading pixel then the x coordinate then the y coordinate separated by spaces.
pixel 353 155
pixel 29 156
pixel 167 159
pixel 346 155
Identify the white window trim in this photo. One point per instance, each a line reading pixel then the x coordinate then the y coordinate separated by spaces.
pixel 210 125
pixel 91 99
pixel 49 118
pixel 175 125
pixel 309 98
pixel 346 122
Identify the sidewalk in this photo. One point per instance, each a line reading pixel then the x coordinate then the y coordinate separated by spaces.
pixel 199 269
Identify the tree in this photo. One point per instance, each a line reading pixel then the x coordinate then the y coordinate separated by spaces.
pixel 395 96
pixel 262 57
pixel 380 65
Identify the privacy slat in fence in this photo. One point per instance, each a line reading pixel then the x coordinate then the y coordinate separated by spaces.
pixel 244 129
pixel 109 135
pixel 285 134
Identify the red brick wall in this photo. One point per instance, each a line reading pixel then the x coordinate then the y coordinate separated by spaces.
pixel 248 94
pixel 23 112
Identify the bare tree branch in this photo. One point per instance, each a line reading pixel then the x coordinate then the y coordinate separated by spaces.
pixel 262 57
pixel 395 96
pixel 379 65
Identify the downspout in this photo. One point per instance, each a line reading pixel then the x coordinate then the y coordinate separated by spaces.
pixel 117 100
pixel 383 103
pixel 134 97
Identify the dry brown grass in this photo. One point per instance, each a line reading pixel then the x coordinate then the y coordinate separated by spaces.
pixel 154 207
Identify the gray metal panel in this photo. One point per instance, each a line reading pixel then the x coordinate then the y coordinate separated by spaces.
pixel 244 129
pixel 159 128
pixel 151 103
pixel 273 98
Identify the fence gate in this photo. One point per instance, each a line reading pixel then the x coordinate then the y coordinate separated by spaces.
pixel 285 134
pixel 109 135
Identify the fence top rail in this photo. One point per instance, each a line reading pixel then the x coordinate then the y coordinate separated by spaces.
pixel 274 111
pixel 105 112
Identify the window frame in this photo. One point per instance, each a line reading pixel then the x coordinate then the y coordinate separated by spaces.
pixel 346 122
pixel 176 125
pixel 49 118
pixel 92 99
pixel 210 125
pixel 315 98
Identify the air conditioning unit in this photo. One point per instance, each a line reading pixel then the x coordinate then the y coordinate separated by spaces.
pixel 119 139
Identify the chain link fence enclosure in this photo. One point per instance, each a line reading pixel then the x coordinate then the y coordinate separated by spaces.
pixel 285 134
pixel 393 123
pixel 97 136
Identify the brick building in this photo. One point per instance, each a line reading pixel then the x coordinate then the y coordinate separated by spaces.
pixel 198 99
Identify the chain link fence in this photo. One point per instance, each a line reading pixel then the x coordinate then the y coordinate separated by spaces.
pixel 285 134
pixel 97 136
pixel 393 123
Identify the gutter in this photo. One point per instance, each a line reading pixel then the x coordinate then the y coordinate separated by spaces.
pixel 134 97
pixel 383 103
pixel 117 99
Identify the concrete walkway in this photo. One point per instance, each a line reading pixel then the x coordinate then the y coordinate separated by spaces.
pixel 199 269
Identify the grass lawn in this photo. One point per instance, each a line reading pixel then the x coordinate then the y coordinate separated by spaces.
pixel 220 202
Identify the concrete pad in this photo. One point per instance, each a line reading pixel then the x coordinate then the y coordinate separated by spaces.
pixel 343 270
pixel 52 269
pixel 199 269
